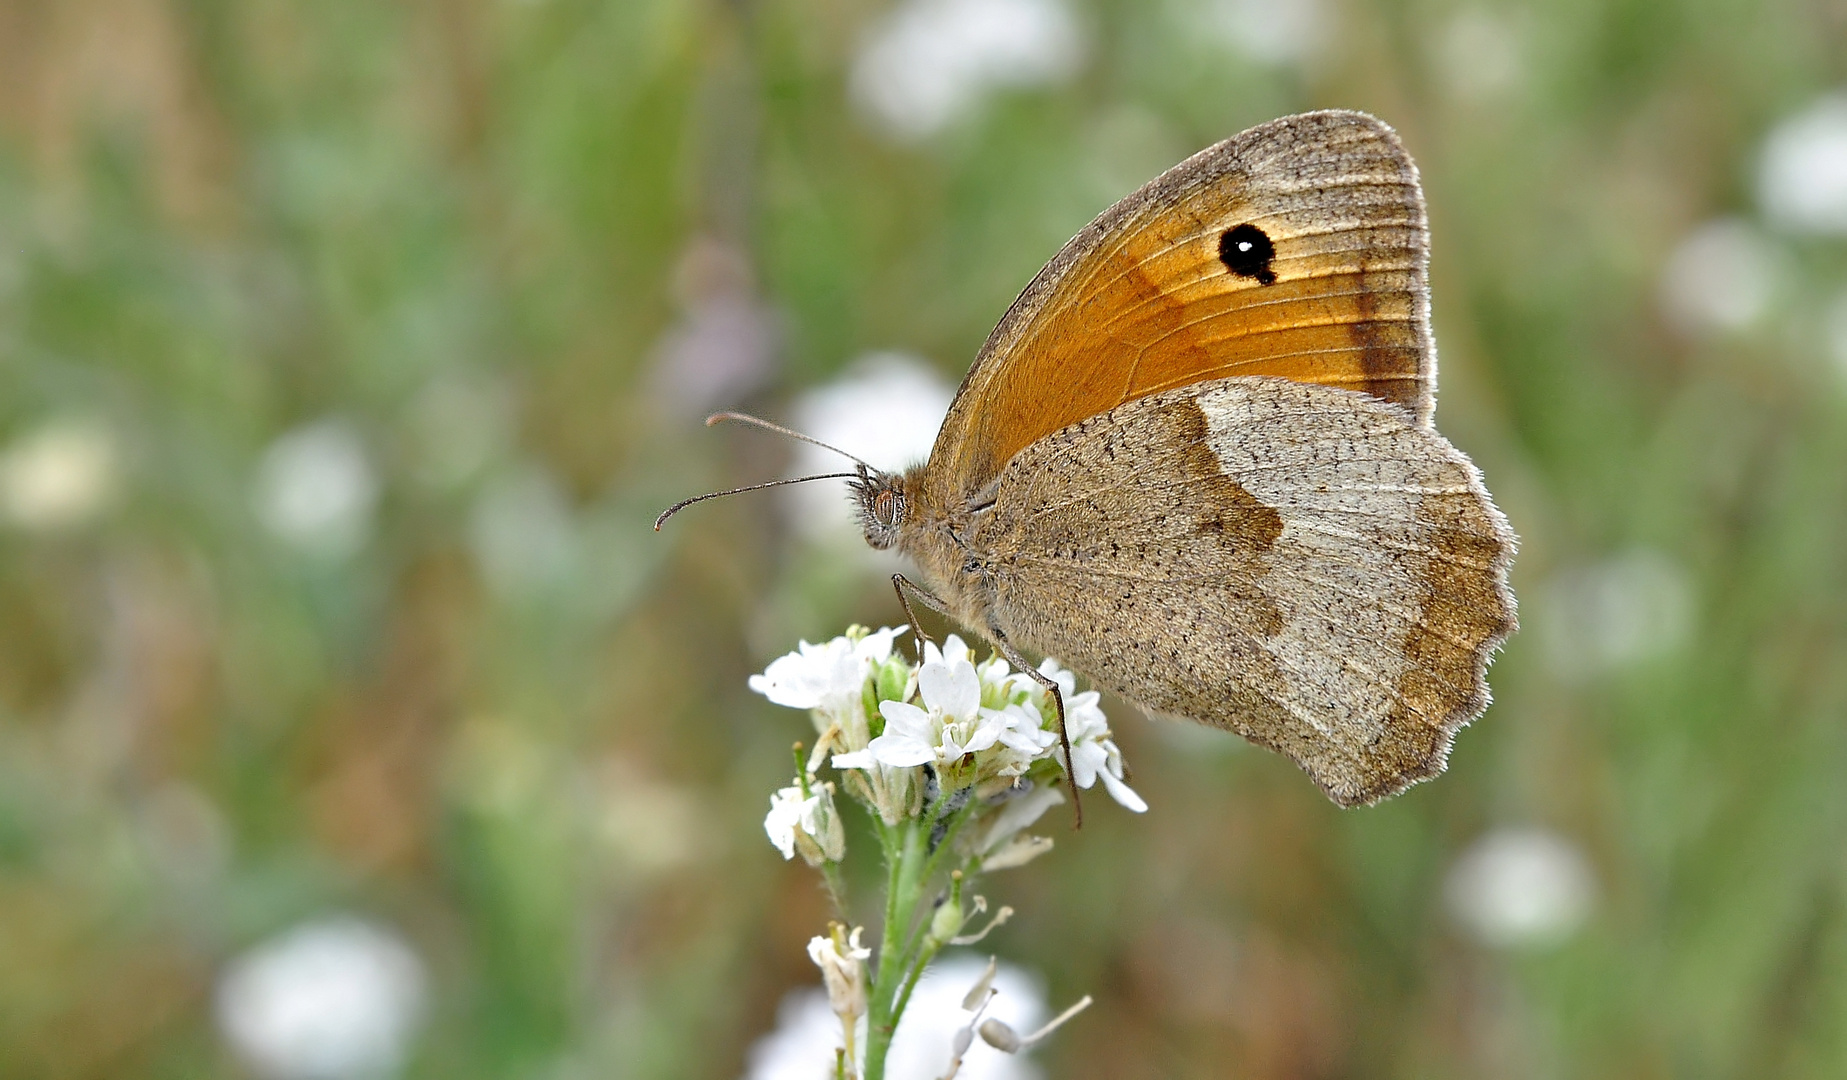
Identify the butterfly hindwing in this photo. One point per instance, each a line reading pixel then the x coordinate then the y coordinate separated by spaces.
pixel 1307 566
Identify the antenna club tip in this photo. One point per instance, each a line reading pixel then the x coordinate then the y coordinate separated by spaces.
pixel 717 418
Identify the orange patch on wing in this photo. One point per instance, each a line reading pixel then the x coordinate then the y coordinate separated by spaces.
pixel 1151 298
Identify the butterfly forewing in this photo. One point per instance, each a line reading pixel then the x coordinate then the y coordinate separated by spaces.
pixel 1296 249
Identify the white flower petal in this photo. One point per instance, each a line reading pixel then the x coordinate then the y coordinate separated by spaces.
pixel 953 689
pixel 784 818
pixel 1058 673
pixel 788 681
pixel 1123 794
pixel 876 646
pixel 907 719
pixel 996 676
pixel 986 733
pixel 858 759
pixel 1087 760
pixel 901 751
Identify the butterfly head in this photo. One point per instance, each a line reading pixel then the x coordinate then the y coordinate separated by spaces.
pixel 880 497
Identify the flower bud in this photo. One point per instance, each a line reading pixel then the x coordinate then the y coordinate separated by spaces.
pixel 802 819
pixel 892 680
pixel 821 836
pixel 997 1034
pixel 1016 852
pixel 947 922
pixel 842 961
pixel 979 993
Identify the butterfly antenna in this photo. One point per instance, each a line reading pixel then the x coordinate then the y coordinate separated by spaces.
pixel 684 503
pixel 746 418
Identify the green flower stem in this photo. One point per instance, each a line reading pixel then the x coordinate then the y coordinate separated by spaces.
pixel 904 950
pixel 904 857
pixel 930 944
pixel 949 837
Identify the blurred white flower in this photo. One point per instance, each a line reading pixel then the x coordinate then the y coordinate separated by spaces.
pixel 807 1032
pixel 316 489
pixel 1479 53
pixel 1802 176
pixel 886 409
pixel 1519 887
pixel 802 1045
pixel 1721 277
pixel 922 1042
pixel 930 62
pixel 58 475
pixel 333 999
pixel 523 534
pixel 1269 31
pixel 1626 609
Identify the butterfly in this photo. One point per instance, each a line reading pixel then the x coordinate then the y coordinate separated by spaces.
pixel 1196 462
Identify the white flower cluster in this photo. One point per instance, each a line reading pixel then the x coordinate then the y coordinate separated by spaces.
pixel 904 735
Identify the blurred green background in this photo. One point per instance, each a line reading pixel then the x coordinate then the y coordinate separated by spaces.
pixel 347 349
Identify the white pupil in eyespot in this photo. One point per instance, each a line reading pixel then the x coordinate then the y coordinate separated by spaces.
pixel 1244 245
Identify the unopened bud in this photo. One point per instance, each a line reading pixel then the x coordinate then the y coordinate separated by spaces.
pixel 997 1034
pixel 964 1038
pixel 978 994
pixel 947 922
pixel 820 837
pixel 1001 1037
pixel 892 680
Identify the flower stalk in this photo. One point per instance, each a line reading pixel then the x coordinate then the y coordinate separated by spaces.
pixel 952 761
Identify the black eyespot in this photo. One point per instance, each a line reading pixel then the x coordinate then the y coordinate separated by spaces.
pixel 1247 252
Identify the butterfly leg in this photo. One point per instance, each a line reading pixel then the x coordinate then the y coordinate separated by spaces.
pixel 899 583
pixel 1058 703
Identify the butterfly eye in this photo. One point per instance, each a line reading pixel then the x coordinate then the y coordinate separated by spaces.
pixel 1246 251
pixel 884 509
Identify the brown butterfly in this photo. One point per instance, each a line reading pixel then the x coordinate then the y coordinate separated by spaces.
pixel 1195 461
